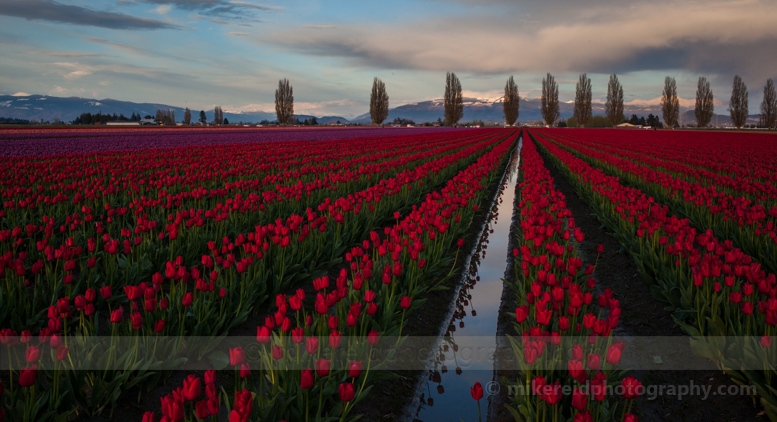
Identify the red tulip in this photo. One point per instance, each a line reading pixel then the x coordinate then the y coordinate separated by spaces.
pixel 322 367
pixel 311 345
pixel 631 388
pixel 766 341
pixel 306 379
pixel 476 391
pixel 28 376
pixel 277 352
pixel 61 353
pixel 149 417
pixel 201 409
pixel 263 335
pixel 346 391
pixel 191 387
pixel 373 337
pixel 32 354
pixel 614 355
pixel 245 370
pixel 354 369
pixel 579 399
pixel 405 302
pixel 116 316
pixel 236 356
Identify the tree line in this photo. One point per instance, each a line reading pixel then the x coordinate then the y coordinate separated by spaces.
pixel 454 107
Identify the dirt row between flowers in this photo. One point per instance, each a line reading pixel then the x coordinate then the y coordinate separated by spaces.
pixel 389 395
pixel 642 315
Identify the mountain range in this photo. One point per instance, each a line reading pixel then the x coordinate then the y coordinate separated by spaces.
pixel 66 109
pixel 48 108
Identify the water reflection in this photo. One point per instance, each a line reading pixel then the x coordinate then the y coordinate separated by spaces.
pixel 446 395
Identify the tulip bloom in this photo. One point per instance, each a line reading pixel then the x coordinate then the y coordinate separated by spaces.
pixel 346 391
pixel 28 376
pixel 355 369
pixel 476 391
pixel 322 367
pixel 306 379
pixel 191 387
pixel 237 356
pixel 32 354
pixel 263 335
pixel 632 388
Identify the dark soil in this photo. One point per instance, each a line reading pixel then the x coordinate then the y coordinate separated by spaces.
pixel 643 315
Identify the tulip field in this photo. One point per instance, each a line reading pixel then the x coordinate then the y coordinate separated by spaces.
pixel 147 248
pixel 132 261
pixel 696 211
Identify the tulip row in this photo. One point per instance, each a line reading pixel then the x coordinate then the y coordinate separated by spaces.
pixel 751 225
pixel 565 341
pixel 678 163
pixel 725 300
pixel 69 263
pixel 745 156
pixel 313 357
pixel 211 297
pixel 78 140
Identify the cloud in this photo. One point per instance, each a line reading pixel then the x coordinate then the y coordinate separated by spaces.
pixel 62 53
pixel 20 94
pixel 75 70
pixel 133 49
pixel 163 9
pixel 224 9
pixel 713 36
pixel 237 34
pixel 321 26
pixel 52 11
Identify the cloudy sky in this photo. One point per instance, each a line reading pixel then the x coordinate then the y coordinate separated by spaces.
pixel 201 53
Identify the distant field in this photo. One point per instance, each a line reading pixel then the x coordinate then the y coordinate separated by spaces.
pixel 20 141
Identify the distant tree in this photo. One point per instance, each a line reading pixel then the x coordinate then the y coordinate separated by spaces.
pixel 738 104
pixel 511 102
pixel 634 119
pixel 549 98
pixel 670 104
pixel 583 100
pixel 226 121
pixel 284 101
pixel 159 116
pixel 402 121
pixel 453 101
pixel 313 121
pixel 613 108
pixel 379 102
pixel 769 106
pixel 641 121
pixel 704 103
pixel 218 115
pixel 203 118
pixel 187 116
